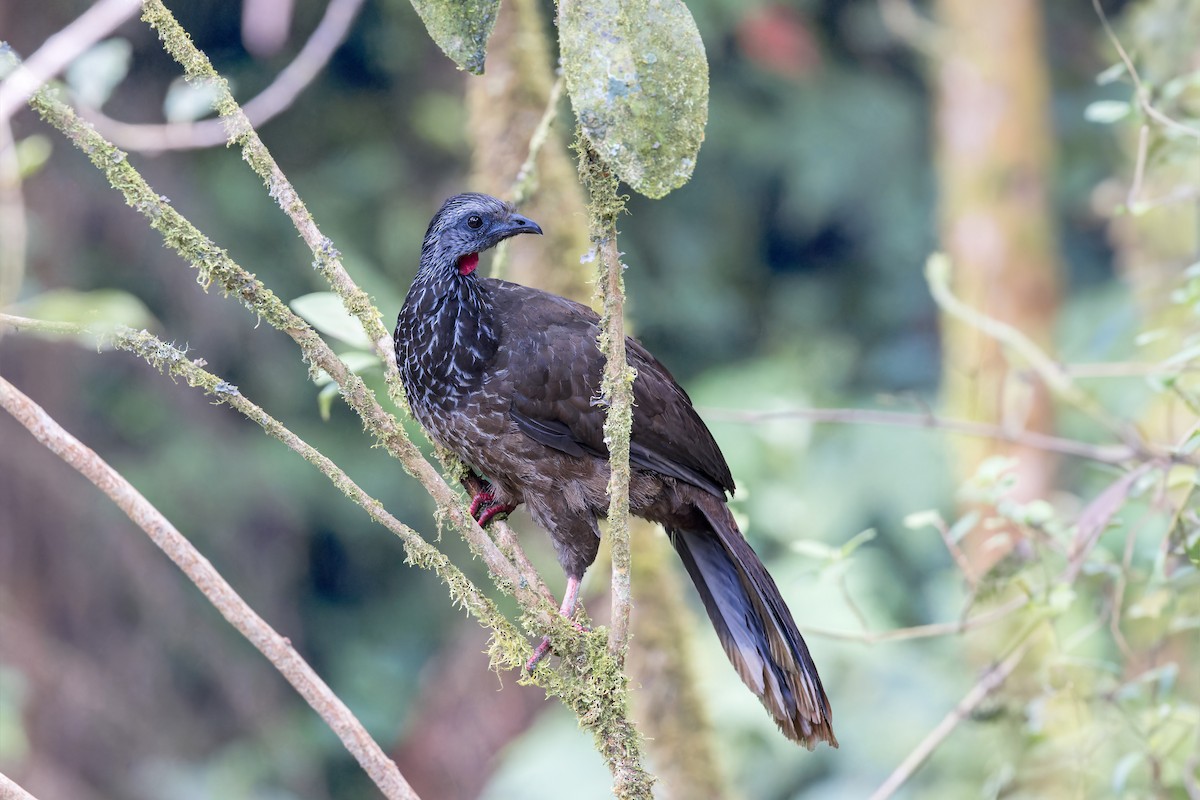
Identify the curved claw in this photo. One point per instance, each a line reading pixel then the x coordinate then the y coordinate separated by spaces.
pixel 491 512
pixel 481 501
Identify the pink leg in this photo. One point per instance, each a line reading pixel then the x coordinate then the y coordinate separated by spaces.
pixel 484 507
pixel 566 609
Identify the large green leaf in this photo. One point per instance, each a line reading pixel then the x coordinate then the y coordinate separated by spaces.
pixel 638 79
pixel 461 28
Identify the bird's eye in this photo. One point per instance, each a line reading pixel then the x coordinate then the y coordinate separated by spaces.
pixel 474 221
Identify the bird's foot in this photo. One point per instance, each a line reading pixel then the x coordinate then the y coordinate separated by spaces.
pixel 566 609
pixel 484 507
pixel 543 647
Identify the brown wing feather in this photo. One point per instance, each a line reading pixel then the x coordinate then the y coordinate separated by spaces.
pixel 555 368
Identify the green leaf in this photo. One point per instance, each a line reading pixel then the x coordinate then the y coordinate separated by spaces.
pixel 188 101
pixel 1125 766
pixel 461 28
pixel 32 153
pixel 325 312
pixel 856 542
pixel 638 80
pixel 1106 112
pixel 922 519
pixel 1113 73
pixel 357 361
pixel 325 399
pixel 95 74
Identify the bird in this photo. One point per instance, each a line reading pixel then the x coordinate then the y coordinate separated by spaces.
pixel 507 377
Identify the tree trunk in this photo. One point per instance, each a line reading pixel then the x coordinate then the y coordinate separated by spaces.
pixel 994 155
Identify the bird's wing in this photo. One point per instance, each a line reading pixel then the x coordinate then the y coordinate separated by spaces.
pixel 548 355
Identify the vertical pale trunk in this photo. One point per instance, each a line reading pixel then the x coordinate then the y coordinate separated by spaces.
pixel 994 153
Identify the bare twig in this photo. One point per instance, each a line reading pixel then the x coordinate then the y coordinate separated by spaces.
pixel 10 790
pixel 1105 454
pixel 1051 372
pixel 174 362
pixel 233 608
pixel 925 631
pixel 1139 167
pixel 991 681
pixel 903 20
pixel 275 99
pixel 61 49
pixel 526 180
pixel 1098 514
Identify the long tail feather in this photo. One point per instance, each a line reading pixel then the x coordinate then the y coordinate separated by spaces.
pixel 755 626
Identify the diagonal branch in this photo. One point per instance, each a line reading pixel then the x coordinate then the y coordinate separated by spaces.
pixel 1115 454
pixel 10 790
pixel 989 683
pixel 278 649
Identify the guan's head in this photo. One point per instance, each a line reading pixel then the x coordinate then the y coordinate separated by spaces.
pixel 465 226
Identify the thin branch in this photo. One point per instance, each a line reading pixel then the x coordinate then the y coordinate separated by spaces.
pixel 526 180
pixel 1051 372
pixel 991 681
pixel 925 631
pixel 271 102
pixel 19 324
pixel 1139 167
pixel 1105 454
pixel 616 386
pixel 905 22
pixel 233 608
pixel 61 49
pixel 10 790
pixel 621 743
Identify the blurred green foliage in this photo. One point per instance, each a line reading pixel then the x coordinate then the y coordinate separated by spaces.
pixel 786 273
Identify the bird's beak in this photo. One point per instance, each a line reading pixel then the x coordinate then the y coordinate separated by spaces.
pixel 518 224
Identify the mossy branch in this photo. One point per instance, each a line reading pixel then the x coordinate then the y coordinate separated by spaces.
pixel 623 743
pixel 605 204
pixel 214 265
pixel 326 258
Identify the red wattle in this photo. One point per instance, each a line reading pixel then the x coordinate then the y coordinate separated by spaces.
pixel 468 263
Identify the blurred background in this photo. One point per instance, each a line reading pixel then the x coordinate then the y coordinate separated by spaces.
pixel 847 140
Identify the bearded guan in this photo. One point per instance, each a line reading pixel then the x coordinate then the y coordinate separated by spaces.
pixel 507 378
